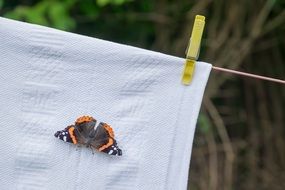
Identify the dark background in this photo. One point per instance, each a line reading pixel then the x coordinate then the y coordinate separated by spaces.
pixel 239 141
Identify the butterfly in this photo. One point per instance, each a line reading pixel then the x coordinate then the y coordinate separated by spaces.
pixel 83 132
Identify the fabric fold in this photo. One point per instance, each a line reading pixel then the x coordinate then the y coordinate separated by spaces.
pixel 51 77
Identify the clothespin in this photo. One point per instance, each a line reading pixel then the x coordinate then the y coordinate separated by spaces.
pixel 193 49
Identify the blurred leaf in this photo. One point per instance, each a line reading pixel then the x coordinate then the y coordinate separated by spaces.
pixel 36 14
pixel 1 3
pixel 48 13
pixel 18 13
pixel 103 3
pixel 273 1
pixel 90 9
pixel 119 2
pixel 70 3
pixel 31 14
pixel 58 14
pixel 204 123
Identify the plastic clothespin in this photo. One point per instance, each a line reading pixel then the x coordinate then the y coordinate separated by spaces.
pixel 192 52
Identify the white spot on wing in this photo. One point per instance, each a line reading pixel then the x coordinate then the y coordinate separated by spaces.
pixel 110 152
pixel 64 138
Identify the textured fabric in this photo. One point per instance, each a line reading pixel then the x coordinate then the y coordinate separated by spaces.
pixel 50 77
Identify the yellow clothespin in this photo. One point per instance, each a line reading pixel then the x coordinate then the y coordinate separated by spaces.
pixel 192 52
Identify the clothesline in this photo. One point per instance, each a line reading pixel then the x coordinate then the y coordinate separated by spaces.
pixel 192 54
pixel 248 75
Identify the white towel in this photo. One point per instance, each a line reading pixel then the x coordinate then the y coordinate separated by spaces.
pixel 50 77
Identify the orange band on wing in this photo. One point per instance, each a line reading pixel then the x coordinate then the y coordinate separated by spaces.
pixel 109 129
pixel 71 133
pixel 110 142
pixel 83 119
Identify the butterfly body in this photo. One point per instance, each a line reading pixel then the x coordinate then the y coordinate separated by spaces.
pixel 83 132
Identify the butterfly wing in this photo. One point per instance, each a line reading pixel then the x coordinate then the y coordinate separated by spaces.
pixel 104 141
pixel 67 134
pixel 102 138
pixel 83 126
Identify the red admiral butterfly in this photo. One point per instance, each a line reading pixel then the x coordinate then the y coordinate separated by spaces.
pixel 83 132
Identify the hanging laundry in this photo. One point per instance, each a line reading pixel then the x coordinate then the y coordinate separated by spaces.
pixel 50 77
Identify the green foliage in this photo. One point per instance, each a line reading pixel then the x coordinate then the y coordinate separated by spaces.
pixel 58 14
pixel 103 3
pixel 60 10
pixel 1 3
pixel 242 35
pixel 49 13
pixel 90 9
pixel 204 123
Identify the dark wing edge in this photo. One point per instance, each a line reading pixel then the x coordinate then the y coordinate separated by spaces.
pixel 104 140
pixel 67 134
